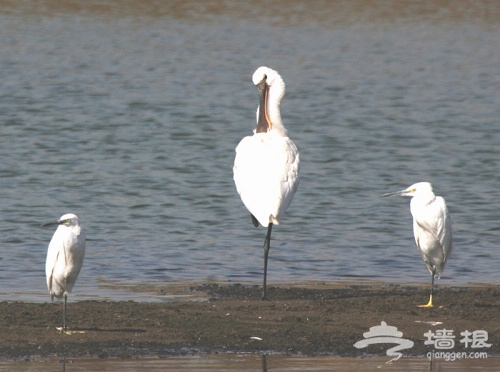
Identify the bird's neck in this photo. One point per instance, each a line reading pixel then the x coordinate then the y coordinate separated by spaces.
pixel 273 110
pixel 424 200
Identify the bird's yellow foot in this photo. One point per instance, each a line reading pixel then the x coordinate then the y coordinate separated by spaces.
pixel 429 304
pixel 66 332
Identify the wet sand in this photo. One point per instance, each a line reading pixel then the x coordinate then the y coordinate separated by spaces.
pixel 232 318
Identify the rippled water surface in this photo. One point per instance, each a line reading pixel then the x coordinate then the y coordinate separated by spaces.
pixel 128 115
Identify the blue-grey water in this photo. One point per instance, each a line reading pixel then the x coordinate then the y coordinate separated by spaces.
pixel 128 115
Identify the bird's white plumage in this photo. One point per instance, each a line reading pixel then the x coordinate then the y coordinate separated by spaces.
pixel 266 167
pixel 65 256
pixel 431 225
pixel 266 175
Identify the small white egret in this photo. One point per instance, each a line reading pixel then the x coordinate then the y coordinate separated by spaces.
pixel 431 228
pixel 64 258
pixel 266 167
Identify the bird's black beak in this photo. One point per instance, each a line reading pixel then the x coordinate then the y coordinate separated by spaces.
pixel 51 223
pixel 397 193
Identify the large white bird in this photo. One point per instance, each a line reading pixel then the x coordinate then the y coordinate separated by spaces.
pixel 266 167
pixel 431 228
pixel 64 258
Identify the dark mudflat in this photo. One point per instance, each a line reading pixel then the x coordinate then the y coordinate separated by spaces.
pixel 234 319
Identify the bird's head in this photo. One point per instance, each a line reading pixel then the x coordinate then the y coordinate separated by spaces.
pixel 268 76
pixel 271 89
pixel 418 189
pixel 68 220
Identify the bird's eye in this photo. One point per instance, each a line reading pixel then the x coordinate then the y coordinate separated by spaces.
pixel 265 77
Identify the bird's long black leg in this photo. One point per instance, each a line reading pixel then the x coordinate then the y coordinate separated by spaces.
pixel 267 246
pixel 65 295
pixel 430 304
pixel 432 287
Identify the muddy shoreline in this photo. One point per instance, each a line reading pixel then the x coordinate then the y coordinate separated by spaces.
pixel 233 319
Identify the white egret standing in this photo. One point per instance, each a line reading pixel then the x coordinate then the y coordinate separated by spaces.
pixel 266 167
pixel 64 258
pixel 431 228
